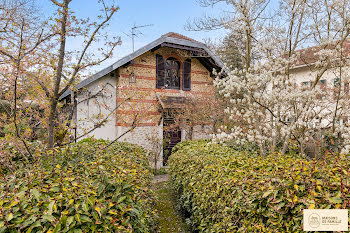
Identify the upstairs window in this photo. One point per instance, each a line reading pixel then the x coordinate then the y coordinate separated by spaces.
pixel 336 82
pixel 160 71
pixel 169 76
pixel 186 84
pixel 172 76
pixel 323 84
pixel 305 84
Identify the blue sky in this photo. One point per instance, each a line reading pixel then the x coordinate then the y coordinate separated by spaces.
pixel 165 15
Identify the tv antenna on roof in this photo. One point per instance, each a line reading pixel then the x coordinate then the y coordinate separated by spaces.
pixel 135 32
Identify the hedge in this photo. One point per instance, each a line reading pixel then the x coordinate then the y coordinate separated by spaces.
pixel 223 190
pixel 79 189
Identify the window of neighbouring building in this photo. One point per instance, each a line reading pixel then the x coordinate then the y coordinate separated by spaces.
pixel 346 87
pixel 305 84
pixel 323 84
pixel 336 82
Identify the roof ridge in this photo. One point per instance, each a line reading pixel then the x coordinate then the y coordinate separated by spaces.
pixel 179 36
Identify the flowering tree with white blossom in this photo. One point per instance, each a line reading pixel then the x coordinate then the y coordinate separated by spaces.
pixel 270 106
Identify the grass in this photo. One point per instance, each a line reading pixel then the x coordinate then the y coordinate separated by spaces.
pixel 160 171
pixel 169 219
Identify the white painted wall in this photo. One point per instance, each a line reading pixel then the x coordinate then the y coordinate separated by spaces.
pixel 202 132
pixel 305 77
pixel 148 137
pixel 92 111
pixel 307 74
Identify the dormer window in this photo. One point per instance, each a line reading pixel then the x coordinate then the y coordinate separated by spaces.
pixel 169 76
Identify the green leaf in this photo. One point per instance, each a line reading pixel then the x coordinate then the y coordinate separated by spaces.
pixel 70 219
pixel 29 221
pixel 55 189
pixel 77 217
pixel 85 218
pixel 95 215
pixel 267 193
pixel 335 200
pixel 49 218
pixel 50 207
pixel 101 188
pixel 36 224
pixel 84 207
pixel 36 194
pixel 64 221
pixel 121 199
pixel 9 217
pixel 57 228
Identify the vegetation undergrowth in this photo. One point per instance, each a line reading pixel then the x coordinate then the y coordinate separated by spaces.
pixel 79 188
pixel 160 171
pixel 224 190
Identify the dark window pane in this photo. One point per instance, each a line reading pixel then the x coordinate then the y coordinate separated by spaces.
pixel 172 78
pixel 187 75
pixel 160 67
pixel 336 82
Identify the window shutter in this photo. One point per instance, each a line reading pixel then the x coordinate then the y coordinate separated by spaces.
pixel 160 69
pixel 186 75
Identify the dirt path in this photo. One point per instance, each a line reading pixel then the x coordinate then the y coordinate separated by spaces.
pixel 169 221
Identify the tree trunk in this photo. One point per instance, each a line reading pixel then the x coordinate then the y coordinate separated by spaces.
pixel 61 55
pixel 52 125
pixel 285 146
pixel 191 133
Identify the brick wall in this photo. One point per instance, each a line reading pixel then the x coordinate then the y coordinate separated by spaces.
pixel 143 96
pixel 143 92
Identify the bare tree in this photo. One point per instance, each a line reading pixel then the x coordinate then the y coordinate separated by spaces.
pixel 243 20
pixel 36 65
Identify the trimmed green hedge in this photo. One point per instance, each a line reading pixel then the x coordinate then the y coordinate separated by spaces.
pixel 223 190
pixel 78 189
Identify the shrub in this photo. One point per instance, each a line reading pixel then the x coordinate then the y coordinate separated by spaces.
pixel 79 189
pixel 5 108
pixel 223 190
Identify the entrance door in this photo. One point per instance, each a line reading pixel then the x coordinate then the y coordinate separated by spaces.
pixel 171 134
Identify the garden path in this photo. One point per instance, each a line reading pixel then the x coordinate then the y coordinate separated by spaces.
pixel 169 219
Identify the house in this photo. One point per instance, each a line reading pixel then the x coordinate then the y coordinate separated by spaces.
pixel 329 64
pixel 310 62
pixel 144 89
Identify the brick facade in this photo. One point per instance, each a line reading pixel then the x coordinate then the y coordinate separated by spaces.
pixel 143 94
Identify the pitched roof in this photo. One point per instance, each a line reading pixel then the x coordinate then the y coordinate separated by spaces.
pixel 310 55
pixel 178 36
pixel 170 38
